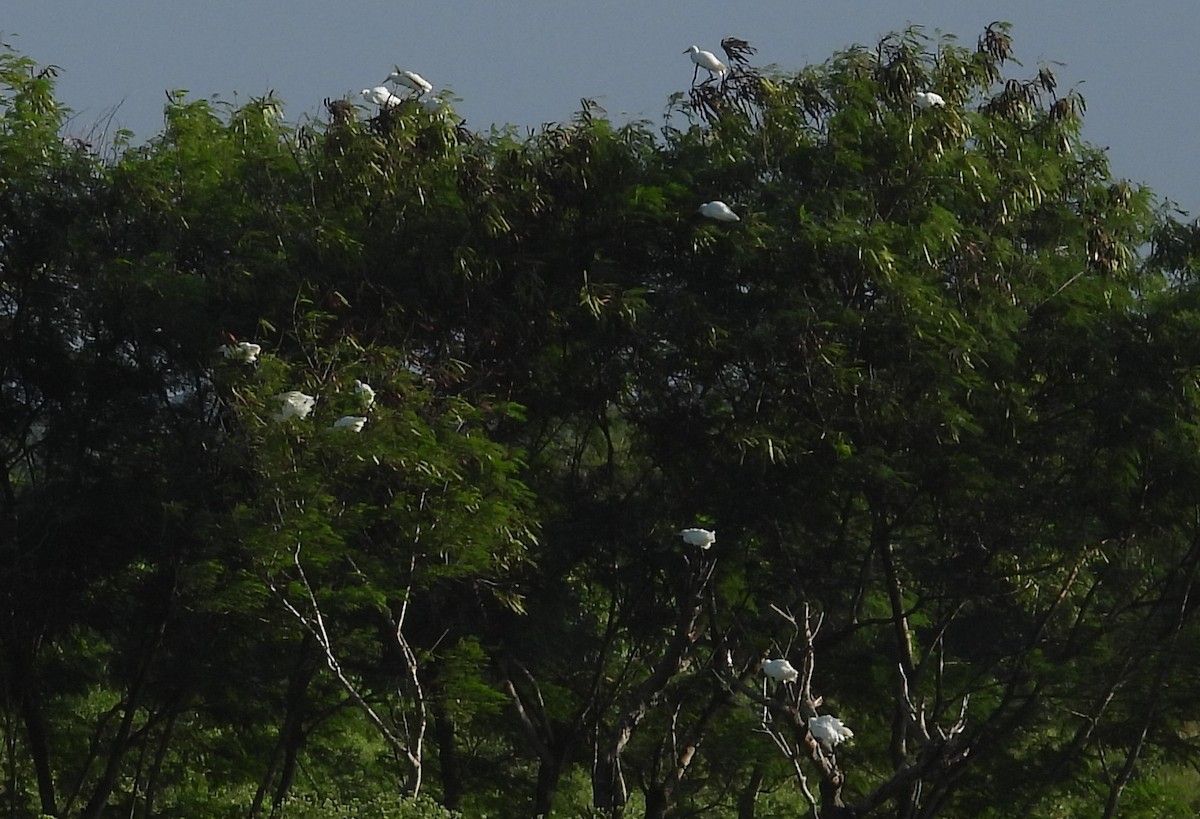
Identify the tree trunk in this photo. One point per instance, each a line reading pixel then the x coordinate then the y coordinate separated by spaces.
pixel 447 757
pixel 268 777
pixel 608 783
pixel 39 750
pixel 292 735
pixel 657 802
pixel 159 756
pixel 549 772
pixel 748 796
pixel 120 744
pixel 550 739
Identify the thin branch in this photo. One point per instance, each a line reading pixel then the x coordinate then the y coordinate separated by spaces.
pixel 315 624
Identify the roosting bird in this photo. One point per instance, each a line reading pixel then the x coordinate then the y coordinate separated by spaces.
pixel 363 390
pixel 928 99
pixel 295 405
pixel 706 60
pixel 703 538
pixel 718 210
pixel 780 670
pixel 382 97
pixel 354 423
pixel 243 351
pixel 410 79
pixel 829 731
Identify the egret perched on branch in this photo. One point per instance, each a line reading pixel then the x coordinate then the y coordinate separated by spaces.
pixel 295 405
pixel 780 670
pixel 243 351
pixel 928 99
pixel 382 97
pixel 718 210
pixel 699 537
pixel 706 60
pixel 829 731
pixel 410 79
pixel 363 390
pixel 354 423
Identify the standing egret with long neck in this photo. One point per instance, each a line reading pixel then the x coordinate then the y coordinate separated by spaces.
pixel 706 60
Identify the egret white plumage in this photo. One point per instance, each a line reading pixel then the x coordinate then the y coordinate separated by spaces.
pixel 243 351
pixel 381 96
pixel 703 538
pixel 367 395
pixel 829 731
pixel 410 79
pixel 718 210
pixel 928 99
pixel 354 423
pixel 706 60
pixel 780 670
pixel 295 405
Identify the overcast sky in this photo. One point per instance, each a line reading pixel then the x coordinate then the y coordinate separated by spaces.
pixel 529 62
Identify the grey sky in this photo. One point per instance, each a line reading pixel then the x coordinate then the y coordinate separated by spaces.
pixel 529 62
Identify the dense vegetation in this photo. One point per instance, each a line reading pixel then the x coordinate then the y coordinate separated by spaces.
pixel 938 392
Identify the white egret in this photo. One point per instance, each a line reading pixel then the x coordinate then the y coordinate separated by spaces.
pixel 706 60
pixel 780 670
pixel 381 96
pixel 698 537
pixel 243 351
pixel 410 79
pixel 718 210
pixel 928 99
pixel 295 405
pixel 363 390
pixel 829 731
pixel 354 423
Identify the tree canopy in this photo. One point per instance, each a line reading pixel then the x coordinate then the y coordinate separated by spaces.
pixel 346 460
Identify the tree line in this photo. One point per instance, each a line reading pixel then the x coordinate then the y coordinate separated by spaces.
pixel 346 460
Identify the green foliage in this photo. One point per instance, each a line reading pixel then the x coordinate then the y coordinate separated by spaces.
pixel 929 390
pixel 382 807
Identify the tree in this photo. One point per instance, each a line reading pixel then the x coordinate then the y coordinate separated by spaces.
pixel 935 401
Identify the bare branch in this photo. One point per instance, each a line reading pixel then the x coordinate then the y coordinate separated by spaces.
pixel 409 751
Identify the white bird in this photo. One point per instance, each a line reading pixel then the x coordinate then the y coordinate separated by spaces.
pixel 381 96
pixel 829 731
pixel 718 210
pixel 780 670
pixel 243 351
pixel 698 537
pixel 410 79
pixel 354 423
pixel 295 405
pixel 928 99
pixel 363 390
pixel 706 60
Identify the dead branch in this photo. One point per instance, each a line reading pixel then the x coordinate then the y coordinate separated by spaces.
pixel 409 750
